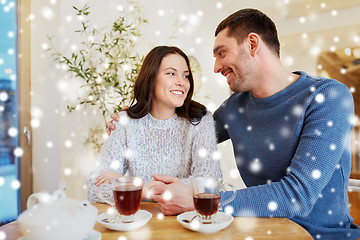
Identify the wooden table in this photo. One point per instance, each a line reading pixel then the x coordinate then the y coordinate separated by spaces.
pixel 167 227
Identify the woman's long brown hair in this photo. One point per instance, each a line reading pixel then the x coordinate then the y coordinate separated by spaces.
pixel 145 84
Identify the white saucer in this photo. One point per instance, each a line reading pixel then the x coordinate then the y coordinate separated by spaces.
pixel 221 221
pixel 93 235
pixel 140 219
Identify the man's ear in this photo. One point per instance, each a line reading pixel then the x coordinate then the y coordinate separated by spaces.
pixel 253 41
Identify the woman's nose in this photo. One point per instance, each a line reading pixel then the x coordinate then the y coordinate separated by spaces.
pixel 179 83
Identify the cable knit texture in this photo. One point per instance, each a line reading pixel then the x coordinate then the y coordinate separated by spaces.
pixel 146 146
pixel 293 152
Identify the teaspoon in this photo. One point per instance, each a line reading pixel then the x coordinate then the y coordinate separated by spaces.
pixel 189 221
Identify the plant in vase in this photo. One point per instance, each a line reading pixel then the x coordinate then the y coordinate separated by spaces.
pixel 107 64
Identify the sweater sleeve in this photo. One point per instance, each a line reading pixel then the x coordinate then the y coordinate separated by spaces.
pixel 325 137
pixel 111 158
pixel 221 131
pixel 204 155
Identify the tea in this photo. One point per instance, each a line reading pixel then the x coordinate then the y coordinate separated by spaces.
pixel 206 204
pixel 127 199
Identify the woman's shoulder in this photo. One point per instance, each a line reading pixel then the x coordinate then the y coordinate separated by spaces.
pixel 206 120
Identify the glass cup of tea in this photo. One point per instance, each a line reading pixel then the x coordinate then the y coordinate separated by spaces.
pixel 206 195
pixel 127 196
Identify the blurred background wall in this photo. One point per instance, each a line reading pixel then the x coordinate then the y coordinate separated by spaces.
pixel 306 29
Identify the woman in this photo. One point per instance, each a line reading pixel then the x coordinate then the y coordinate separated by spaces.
pixel 163 131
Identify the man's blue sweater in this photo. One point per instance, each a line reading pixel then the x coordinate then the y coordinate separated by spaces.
pixel 293 152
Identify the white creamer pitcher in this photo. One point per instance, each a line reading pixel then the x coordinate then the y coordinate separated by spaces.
pixel 56 217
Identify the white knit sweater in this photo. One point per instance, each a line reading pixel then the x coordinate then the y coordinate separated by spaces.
pixel 146 146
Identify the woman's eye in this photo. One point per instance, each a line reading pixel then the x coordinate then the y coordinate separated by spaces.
pixel 186 76
pixel 171 74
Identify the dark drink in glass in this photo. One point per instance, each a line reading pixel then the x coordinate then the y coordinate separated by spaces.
pixel 127 199
pixel 206 204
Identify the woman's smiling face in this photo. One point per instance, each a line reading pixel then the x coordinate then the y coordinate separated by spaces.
pixel 171 85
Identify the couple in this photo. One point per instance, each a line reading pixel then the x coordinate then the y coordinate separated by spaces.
pixel 290 133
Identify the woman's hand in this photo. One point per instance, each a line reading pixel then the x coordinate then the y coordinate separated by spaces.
pixel 106 177
pixel 114 116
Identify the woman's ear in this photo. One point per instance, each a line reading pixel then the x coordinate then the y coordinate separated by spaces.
pixel 253 40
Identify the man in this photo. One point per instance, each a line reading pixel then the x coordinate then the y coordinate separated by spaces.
pixel 290 132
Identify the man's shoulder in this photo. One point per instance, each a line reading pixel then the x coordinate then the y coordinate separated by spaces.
pixel 323 81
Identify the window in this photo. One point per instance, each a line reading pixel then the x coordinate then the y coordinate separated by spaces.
pixel 9 121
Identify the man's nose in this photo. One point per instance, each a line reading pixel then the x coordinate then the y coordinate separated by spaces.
pixel 217 66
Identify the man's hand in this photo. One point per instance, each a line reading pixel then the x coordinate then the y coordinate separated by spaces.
pixel 109 125
pixel 106 177
pixel 147 192
pixel 174 196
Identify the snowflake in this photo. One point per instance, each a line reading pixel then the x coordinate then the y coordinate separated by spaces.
pixel 35 123
pixel 15 184
pixel 203 152
pixel 284 131
pixel 67 171
pixel 160 216
pixel 128 153
pixel 271 147
pixel 49 144
pixel 105 136
pixel 272 206
pixel 2 181
pixel 234 173
pixel 255 166
pixel 124 120
pixel 316 174
pixel 4 96
pixel 330 123
pixel 229 210
pixel 317 132
pixel 195 224
pixel 332 147
pixel 2 235
pixel 249 128
pixel 137 181
pixel 111 211
pixel 216 155
pixel 68 143
pixel 298 110
pixel 115 164
pixel 167 195
pixel 13 132
pixel 320 98
pixel 18 152
pixel 330 212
